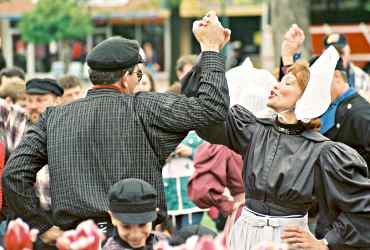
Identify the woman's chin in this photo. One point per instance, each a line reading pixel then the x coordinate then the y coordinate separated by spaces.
pixel 270 104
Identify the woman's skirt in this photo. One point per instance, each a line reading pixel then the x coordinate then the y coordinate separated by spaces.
pixel 251 229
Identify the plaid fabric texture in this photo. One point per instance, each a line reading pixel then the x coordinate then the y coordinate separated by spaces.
pixel 13 123
pixel 94 142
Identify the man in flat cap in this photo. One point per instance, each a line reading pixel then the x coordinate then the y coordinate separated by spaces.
pixel 356 77
pixel 40 94
pixel 112 134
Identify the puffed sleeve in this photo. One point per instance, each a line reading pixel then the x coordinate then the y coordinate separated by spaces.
pixel 235 133
pixel 343 191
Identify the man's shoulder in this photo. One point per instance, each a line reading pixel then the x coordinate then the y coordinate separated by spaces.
pixel 355 107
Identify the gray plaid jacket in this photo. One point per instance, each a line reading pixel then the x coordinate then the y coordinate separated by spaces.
pixel 92 143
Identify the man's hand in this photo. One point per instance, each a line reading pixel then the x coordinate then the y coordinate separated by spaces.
pixel 298 238
pixel 210 33
pixel 184 151
pixel 292 43
pixel 50 236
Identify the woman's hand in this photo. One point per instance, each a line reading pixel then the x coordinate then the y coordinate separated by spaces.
pixel 297 238
pixel 210 33
pixel 292 43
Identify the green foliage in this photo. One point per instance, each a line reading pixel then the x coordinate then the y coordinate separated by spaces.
pixel 55 20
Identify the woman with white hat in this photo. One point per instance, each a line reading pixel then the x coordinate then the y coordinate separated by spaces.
pixel 287 163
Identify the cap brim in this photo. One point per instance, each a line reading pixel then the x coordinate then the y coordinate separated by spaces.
pixel 37 91
pixel 135 218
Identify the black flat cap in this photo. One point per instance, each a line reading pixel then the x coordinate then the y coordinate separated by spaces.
pixel 42 86
pixel 115 53
pixel 133 201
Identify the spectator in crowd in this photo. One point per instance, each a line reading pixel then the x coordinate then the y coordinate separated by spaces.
pixel 221 169
pixel 165 229
pixel 11 74
pixel 183 66
pixel 13 91
pixel 93 142
pixel 132 208
pixel 12 125
pixel 356 77
pixel 147 82
pixel 40 94
pixel 72 88
pixel 151 59
pixel 176 173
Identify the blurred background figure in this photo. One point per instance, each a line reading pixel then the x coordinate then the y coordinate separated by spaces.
pixel 72 88
pixel 235 55
pixel 12 86
pixel 147 82
pixel 176 174
pixel 183 66
pixel 11 73
pixel 356 77
pixel 151 58
pixel 14 92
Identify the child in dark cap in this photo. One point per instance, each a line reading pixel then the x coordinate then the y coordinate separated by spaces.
pixel 132 207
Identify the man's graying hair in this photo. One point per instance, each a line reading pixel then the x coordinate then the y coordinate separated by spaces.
pixel 98 77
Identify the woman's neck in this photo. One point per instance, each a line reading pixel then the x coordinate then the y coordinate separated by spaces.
pixel 287 117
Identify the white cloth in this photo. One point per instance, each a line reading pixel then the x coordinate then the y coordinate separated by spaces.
pixel 250 229
pixel 316 97
pixel 249 86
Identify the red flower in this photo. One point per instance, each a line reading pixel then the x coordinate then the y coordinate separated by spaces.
pixel 18 236
pixel 86 236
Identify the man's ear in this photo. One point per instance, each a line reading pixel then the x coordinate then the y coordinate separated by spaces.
pixel 114 220
pixel 124 80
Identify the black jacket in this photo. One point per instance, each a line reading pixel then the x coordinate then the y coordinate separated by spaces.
pixel 352 125
pixel 285 167
pixel 107 136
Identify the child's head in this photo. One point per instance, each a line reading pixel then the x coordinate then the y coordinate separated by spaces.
pixel 132 205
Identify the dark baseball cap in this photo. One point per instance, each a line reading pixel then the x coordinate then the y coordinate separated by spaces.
pixel 336 39
pixel 133 201
pixel 41 86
